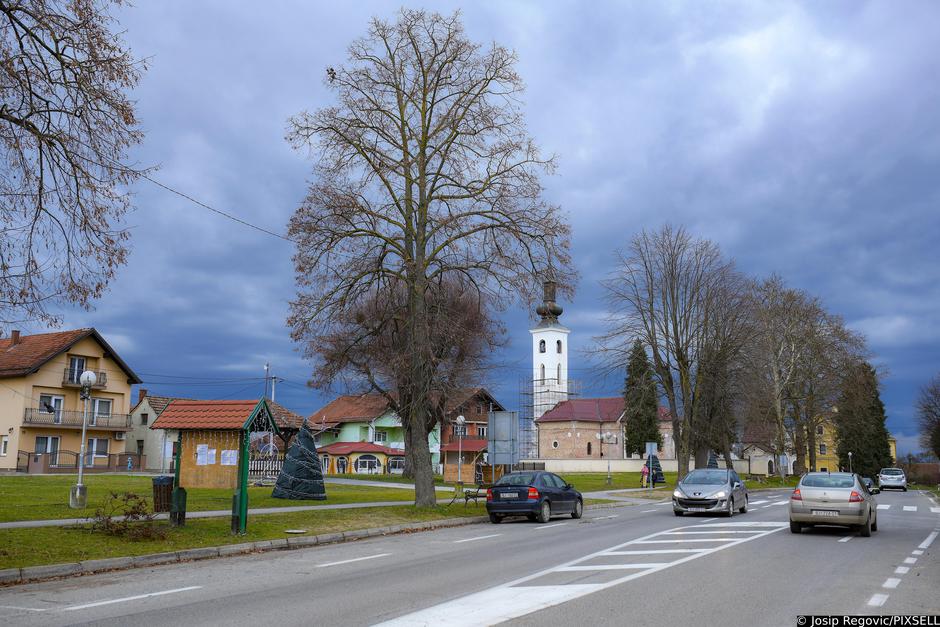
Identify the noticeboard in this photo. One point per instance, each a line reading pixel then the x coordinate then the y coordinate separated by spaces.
pixel 503 437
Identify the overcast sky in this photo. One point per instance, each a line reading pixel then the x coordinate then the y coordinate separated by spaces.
pixel 803 138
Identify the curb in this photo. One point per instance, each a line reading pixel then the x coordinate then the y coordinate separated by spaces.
pixel 13 576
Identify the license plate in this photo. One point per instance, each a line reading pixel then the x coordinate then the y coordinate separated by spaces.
pixel 510 495
pixel 696 509
pixel 824 512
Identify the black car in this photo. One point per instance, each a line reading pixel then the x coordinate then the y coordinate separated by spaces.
pixel 533 493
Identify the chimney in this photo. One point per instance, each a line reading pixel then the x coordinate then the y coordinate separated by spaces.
pixel 141 393
pixel 14 337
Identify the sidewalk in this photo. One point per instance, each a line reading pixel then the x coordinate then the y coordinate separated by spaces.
pixel 383 484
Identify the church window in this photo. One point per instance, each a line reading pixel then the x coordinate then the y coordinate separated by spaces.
pixel 559 373
pixel 589 448
pixel 558 346
pixel 554 443
pixel 542 371
pixel 541 346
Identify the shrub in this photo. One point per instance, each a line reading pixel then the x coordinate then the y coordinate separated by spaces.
pixel 127 515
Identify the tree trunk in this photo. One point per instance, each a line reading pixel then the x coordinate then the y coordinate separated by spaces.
pixel 425 495
pixel 701 455
pixel 408 468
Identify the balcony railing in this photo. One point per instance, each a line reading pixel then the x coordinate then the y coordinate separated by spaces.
pixel 63 418
pixel 72 377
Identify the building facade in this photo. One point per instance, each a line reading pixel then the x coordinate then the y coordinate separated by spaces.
pixel 156 445
pixel 41 409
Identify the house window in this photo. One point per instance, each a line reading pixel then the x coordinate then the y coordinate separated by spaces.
pixel 823 469
pixel 554 443
pixel 541 346
pixel 558 347
pixel 324 463
pixel 49 404
pixel 396 464
pixel 98 447
pixel 822 449
pixel 144 418
pixel 481 431
pixel 101 408
pixel 819 430
pixel 76 368
pixel 4 443
pixel 367 464
pixel 381 436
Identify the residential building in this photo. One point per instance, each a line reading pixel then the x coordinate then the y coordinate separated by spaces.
pixel 41 409
pixel 156 445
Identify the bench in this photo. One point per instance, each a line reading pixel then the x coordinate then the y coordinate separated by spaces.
pixel 472 494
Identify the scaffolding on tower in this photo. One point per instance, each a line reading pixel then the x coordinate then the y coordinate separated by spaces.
pixel 535 398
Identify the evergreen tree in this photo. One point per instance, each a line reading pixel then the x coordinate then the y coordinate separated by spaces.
pixel 641 421
pixel 860 423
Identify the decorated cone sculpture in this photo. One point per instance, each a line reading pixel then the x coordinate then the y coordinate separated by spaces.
pixel 658 470
pixel 712 460
pixel 301 476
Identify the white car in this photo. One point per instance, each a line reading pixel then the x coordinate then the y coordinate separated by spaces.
pixel 892 478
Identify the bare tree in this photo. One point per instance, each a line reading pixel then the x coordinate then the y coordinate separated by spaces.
pixel 667 291
pixel 928 416
pixel 424 172
pixel 66 124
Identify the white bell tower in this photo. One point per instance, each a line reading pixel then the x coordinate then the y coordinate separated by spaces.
pixel 549 355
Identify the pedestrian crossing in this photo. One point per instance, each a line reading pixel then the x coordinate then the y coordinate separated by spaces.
pixel 908 508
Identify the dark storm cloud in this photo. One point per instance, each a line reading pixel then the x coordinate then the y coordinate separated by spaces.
pixel 802 138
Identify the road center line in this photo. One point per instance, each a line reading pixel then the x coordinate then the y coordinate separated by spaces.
pixel 910 560
pixel 917 552
pixel 846 538
pixel 492 535
pixel 877 600
pixel 910 508
pixel 926 543
pixel 649 511
pixel 356 559
pixel 550 526
pixel 656 551
pixel 606 517
pixel 901 570
pixel 891 583
pixel 133 598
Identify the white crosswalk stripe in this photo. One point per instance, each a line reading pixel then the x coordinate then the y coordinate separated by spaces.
pixel 935 510
pixel 756 502
pixel 910 508
pixel 884 507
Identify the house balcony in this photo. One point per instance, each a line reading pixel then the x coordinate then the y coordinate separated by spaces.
pixel 73 419
pixel 71 378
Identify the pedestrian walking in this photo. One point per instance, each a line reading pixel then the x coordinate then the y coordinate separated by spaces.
pixel 644 473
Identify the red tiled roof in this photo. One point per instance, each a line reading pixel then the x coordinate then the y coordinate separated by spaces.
pixel 182 414
pixel 366 407
pixel 585 410
pixel 664 415
pixel 345 448
pixel 285 418
pixel 469 446
pixel 32 351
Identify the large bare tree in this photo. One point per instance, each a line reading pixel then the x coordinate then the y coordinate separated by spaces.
pixel 670 290
pixel 928 416
pixel 424 172
pixel 66 124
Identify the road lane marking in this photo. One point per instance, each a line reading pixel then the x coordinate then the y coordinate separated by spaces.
pixel 355 559
pixel 519 598
pixel 133 598
pixel 884 507
pixel 656 551
pixel 492 535
pixel 780 503
pixel 910 560
pixel 910 508
pixel 709 519
pixel 766 506
pixel 757 502
pixel 901 570
pixel 686 533
pixel 23 609
pixel 649 511
pixel 917 552
pixel 606 517
pixel 550 526
pixel 684 540
pixel 877 600
pixel 935 510
pixel 926 543
pixel 891 583
pixel 569 569
pixel 846 538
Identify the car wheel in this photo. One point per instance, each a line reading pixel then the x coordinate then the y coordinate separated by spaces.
pixel 496 519
pixel 743 509
pixel 730 512
pixel 677 512
pixel 578 509
pixel 865 530
pixel 905 488
pixel 796 527
pixel 874 523
pixel 545 512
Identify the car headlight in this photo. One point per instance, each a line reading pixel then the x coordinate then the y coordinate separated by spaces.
pixel 720 494
pixel 676 493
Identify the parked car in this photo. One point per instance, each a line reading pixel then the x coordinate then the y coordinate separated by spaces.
pixel 838 498
pixel 710 490
pixel 870 484
pixel 892 478
pixel 538 495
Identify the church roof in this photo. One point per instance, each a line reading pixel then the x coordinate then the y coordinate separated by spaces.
pixel 585 410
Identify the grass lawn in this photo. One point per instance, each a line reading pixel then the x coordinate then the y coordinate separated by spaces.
pixel 757 482
pixel 46 497
pixel 597 481
pixel 385 478
pixel 55 545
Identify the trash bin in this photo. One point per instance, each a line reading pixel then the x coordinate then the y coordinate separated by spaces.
pixel 162 493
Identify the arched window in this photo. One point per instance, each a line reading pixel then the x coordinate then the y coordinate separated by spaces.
pixel 542 372
pixel 589 448
pixel 541 346
pixel 367 464
pixel 559 373
pixel 558 346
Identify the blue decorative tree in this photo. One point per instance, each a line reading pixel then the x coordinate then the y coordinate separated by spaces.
pixel 301 476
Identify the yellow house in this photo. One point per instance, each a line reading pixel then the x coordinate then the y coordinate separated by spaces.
pixel 826 456
pixel 41 406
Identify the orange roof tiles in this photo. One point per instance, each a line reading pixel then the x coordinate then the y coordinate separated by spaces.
pixel 345 448
pixel 183 414
pixel 32 351
pixel 366 407
pixel 468 446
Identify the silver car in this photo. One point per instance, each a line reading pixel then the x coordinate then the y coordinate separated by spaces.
pixel 838 498
pixel 892 478
pixel 710 490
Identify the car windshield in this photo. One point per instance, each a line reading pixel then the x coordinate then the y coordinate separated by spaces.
pixel 706 477
pixel 892 471
pixel 522 478
pixel 828 481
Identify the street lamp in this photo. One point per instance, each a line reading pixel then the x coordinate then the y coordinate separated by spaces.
pixel 602 437
pixel 460 429
pixel 850 461
pixel 78 495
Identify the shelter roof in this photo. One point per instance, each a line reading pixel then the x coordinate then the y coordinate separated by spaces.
pixel 223 415
pixel 469 446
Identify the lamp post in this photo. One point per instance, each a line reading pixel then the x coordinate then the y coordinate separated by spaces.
pixel 460 430
pixel 602 437
pixel 78 495
pixel 850 461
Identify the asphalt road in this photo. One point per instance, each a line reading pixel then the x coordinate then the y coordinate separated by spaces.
pixel 635 564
